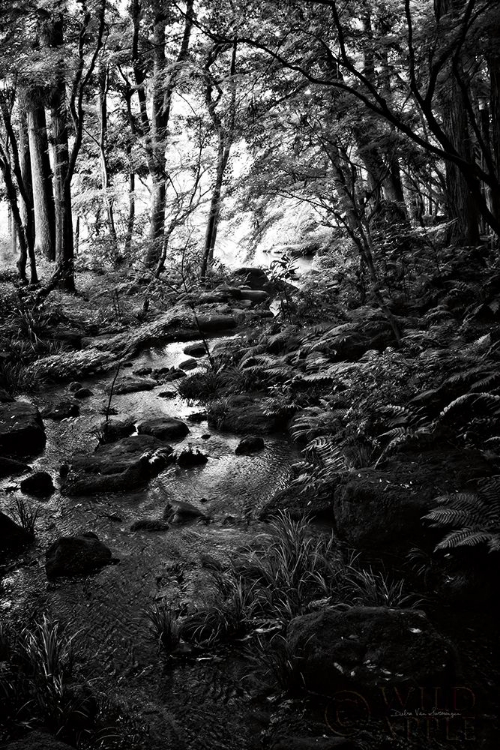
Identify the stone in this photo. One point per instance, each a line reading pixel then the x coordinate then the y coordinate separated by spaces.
pixel 115 429
pixel 195 350
pixel 5 398
pixel 118 467
pixel 188 459
pixel 39 484
pixel 163 428
pixel 255 278
pixel 74 386
pixel 9 467
pixel 188 364
pixel 216 322
pixel 251 444
pixel 131 384
pixel 366 647
pixel 382 509
pixel 61 409
pixel 11 534
pixel 21 429
pixel 83 393
pixel 76 555
pixel 68 338
pixel 168 394
pixel 243 414
pixel 38 741
pixel 149 524
pixel 255 296
pixel 178 510
pixel 175 373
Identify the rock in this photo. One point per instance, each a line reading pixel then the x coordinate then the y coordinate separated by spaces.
pixel 188 364
pixel 188 458
pixel 179 512
pixel 255 278
pixel 11 534
pixel 83 393
pixel 317 504
pixel 118 467
pixel 129 384
pixel 9 467
pixel 174 374
pixel 68 338
pixel 216 322
pixel 242 414
pixel 61 409
pixel 382 509
pixel 163 428
pixel 74 386
pixel 143 371
pixel 76 555
pixel 250 444
pixel 115 429
pixel 195 350
pixel 39 484
pixel 197 417
pixel 366 647
pixel 21 429
pixel 38 741
pixel 168 394
pixel 255 296
pixel 149 524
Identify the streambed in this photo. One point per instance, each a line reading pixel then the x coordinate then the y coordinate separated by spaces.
pixel 199 703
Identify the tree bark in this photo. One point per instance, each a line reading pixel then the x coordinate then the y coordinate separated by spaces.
pixel 27 197
pixel 43 199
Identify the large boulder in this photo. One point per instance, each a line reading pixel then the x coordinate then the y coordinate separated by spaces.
pixel 163 428
pixel 195 350
pixel 39 484
pixel 21 429
pixel 129 384
pixel 250 444
pixel 115 429
pixel 369 647
pixel 243 414
pixel 255 296
pixel 382 509
pixel 255 278
pixel 11 534
pixel 121 466
pixel 76 555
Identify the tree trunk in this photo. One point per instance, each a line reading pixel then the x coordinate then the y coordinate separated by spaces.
pixel 215 206
pixel 27 198
pixel 131 211
pixel 103 132
pixel 494 69
pixel 62 190
pixel 43 200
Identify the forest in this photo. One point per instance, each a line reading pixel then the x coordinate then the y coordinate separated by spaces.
pixel 249 374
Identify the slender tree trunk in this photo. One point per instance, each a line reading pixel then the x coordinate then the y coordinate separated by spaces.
pixel 27 198
pixel 131 211
pixel 215 206
pixel 494 69
pixel 43 199
pixel 103 133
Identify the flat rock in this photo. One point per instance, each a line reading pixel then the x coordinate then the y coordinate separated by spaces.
pixel 366 647
pixel 21 429
pixel 188 364
pixel 61 409
pixel 255 296
pixel 195 350
pixel 163 428
pixel 250 444
pixel 39 484
pixel 131 384
pixel 118 467
pixel 76 555
pixel 150 524
pixel 116 428
pixel 9 467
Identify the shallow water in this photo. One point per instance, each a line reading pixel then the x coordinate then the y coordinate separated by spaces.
pixel 201 704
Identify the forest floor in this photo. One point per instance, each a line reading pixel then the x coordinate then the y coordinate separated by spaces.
pixel 388 432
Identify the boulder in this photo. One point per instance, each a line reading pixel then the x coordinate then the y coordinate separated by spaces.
pixel 173 374
pixel 38 741
pixel 382 509
pixel 83 393
pixel 188 364
pixel 115 429
pixel 255 296
pixel 9 467
pixel 168 394
pixel 39 484
pixel 243 414
pixel 61 409
pixel 368 647
pixel 255 278
pixel 195 350
pixel 21 429
pixel 250 444
pixel 11 534
pixel 74 386
pixel 149 524
pixel 119 467
pixel 179 511
pixel 216 322
pixel 163 428
pixel 76 555
pixel 188 458
pixel 129 384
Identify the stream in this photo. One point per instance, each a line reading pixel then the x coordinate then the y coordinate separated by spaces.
pixel 198 703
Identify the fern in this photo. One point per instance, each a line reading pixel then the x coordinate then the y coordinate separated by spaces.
pixel 477 516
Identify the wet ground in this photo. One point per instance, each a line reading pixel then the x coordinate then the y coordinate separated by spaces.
pixel 202 703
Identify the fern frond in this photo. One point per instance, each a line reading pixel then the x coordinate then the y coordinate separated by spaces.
pixel 465 538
